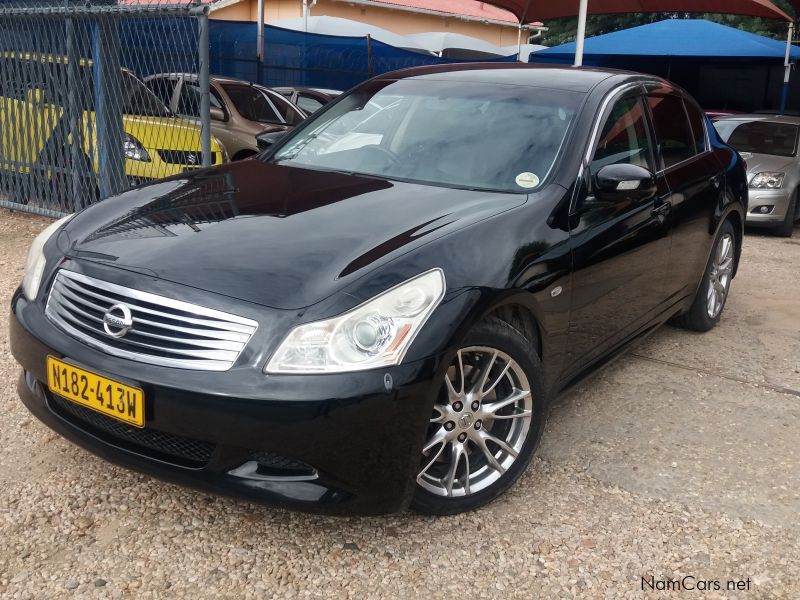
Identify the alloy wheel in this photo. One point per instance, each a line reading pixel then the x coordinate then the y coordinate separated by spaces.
pixel 479 423
pixel 720 276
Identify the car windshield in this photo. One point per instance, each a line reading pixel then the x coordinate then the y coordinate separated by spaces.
pixel 135 98
pixel 456 134
pixel 760 137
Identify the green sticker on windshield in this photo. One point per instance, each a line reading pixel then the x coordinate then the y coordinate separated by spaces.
pixel 527 180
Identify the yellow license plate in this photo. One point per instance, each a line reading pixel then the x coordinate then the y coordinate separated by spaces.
pixel 93 391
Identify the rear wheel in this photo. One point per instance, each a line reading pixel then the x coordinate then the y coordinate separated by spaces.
pixel 786 228
pixel 712 294
pixel 486 423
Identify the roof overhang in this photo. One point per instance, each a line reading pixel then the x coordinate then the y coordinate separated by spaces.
pixel 448 15
pixel 539 10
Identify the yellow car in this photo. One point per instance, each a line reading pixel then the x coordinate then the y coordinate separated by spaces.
pixel 155 143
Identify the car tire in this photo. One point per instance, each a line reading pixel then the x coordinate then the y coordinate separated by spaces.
pixel 497 430
pixel 786 228
pixel 715 286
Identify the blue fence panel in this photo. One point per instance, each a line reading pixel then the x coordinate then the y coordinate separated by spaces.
pixel 146 43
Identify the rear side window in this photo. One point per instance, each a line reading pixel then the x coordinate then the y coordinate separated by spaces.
pixel 673 132
pixel 698 122
pixel 288 112
pixel 308 103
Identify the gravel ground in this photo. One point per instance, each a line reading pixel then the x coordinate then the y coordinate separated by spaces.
pixel 679 459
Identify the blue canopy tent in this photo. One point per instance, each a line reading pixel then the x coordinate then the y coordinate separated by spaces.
pixel 715 62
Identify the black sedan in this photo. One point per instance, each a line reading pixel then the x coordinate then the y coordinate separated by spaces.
pixel 375 313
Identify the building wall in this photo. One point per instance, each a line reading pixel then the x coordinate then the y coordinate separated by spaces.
pixel 248 10
pixel 400 22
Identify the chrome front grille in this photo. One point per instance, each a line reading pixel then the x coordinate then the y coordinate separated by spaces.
pixel 164 331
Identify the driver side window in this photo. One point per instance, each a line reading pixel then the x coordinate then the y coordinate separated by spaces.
pixel 624 138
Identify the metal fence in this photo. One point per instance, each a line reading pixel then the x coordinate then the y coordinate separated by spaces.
pixel 80 117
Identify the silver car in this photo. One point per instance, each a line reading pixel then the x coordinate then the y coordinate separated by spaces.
pixel 769 145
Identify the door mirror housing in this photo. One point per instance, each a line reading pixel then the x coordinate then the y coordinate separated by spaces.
pixel 623 183
pixel 217 114
pixel 268 139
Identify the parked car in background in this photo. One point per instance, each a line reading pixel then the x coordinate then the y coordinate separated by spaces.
pixel 308 99
pixel 376 312
pixel 239 110
pixel 155 143
pixel 769 145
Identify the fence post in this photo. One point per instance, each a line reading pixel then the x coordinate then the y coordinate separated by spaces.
pixel 73 118
pixel 107 74
pixel 260 41
pixel 205 91
pixel 369 55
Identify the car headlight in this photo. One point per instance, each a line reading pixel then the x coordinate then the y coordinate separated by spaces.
pixel 768 180
pixel 133 149
pixel 34 265
pixel 375 334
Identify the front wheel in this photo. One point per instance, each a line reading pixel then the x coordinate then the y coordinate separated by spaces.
pixel 712 294
pixel 486 423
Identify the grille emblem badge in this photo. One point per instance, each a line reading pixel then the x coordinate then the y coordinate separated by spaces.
pixel 118 320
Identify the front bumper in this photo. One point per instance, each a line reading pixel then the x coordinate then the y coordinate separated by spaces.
pixel 779 199
pixel 336 444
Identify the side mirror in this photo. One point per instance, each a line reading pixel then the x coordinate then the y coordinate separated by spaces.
pixel 217 114
pixel 621 183
pixel 268 139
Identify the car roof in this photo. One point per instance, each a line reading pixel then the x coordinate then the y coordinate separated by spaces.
pixel 788 119
pixel 286 89
pixel 213 78
pixel 557 77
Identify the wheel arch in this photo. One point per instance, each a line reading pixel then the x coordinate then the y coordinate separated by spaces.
pixel 242 154
pixel 520 317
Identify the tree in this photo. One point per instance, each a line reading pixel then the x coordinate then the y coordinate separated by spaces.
pixel 563 30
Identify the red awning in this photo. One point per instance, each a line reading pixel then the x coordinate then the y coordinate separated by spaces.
pixel 529 11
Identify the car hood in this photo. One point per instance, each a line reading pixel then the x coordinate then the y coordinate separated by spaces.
pixel 279 236
pixel 760 163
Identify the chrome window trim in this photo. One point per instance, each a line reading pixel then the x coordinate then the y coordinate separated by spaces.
pixel 218 349
pixel 599 120
pixel 612 96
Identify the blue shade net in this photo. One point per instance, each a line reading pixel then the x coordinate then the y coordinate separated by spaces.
pixel 293 58
pixel 670 39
